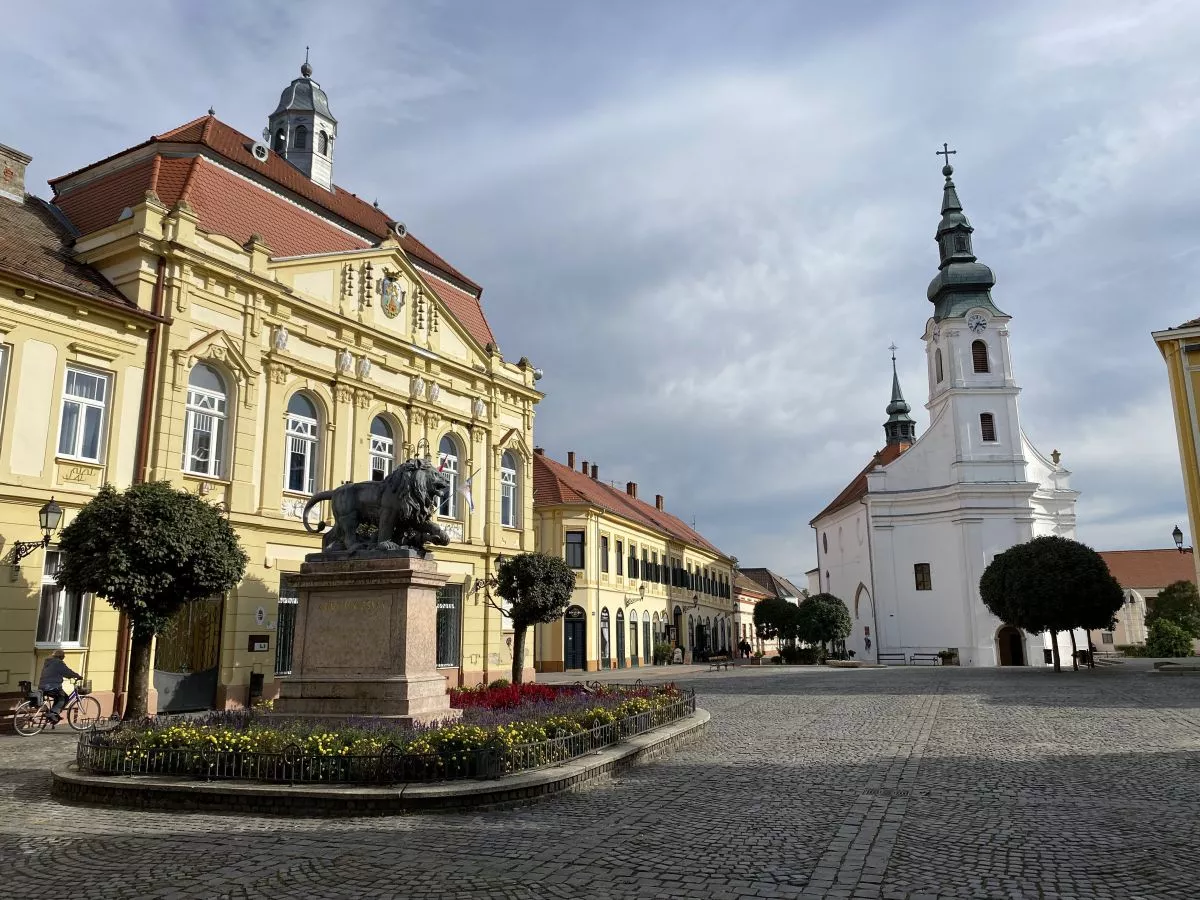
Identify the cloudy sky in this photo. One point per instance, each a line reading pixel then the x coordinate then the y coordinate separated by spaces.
pixel 707 220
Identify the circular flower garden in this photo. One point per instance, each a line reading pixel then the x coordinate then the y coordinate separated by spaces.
pixel 504 728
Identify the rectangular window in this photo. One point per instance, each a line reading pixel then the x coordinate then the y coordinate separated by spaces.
pixel 449 618
pixel 603 553
pixel 204 426
pixel 620 558
pixel 62 614
pixel 654 567
pixel 644 572
pixel 1106 637
pixel 575 549
pixel 508 497
pixel 633 566
pixel 285 624
pixel 85 396
pixel 302 454
pixel 987 427
pixel 924 579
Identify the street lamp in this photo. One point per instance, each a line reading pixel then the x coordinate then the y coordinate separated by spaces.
pixel 49 516
pixel 629 601
pixel 1178 536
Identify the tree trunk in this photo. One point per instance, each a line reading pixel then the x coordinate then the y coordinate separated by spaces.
pixel 518 652
pixel 1091 652
pixel 139 675
pixel 1074 652
pixel 1054 650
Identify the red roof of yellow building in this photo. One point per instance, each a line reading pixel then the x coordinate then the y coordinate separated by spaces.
pixel 1149 568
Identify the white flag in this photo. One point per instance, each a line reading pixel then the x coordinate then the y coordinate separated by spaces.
pixel 465 490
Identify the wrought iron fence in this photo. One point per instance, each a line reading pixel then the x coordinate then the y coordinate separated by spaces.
pixel 97 754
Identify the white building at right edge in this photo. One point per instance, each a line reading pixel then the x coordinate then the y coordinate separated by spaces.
pixel 905 543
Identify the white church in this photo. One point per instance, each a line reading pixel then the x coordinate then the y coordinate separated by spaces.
pixel 904 545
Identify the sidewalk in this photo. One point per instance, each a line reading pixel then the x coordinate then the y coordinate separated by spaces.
pixel 645 673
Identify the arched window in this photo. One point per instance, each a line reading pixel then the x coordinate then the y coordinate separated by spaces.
pixel 383 449
pixel 987 427
pixel 302 445
pixel 204 428
pixel 621 638
pixel 300 138
pixel 825 542
pixel 691 632
pixel 979 356
pixel 633 637
pixel 448 464
pixel 280 141
pixel 323 143
pixel 647 640
pixel 604 640
pixel 508 490
pixel 937 364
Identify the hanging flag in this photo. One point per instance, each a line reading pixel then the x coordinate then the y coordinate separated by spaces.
pixel 464 488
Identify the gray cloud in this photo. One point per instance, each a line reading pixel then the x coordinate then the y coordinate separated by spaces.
pixel 707 227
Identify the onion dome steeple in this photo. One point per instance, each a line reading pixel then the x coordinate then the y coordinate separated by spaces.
pixel 302 129
pixel 962 282
pixel 900 427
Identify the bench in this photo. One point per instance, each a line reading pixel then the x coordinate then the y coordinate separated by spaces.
pixel 893 659
pixel 924 659
pixel 716 662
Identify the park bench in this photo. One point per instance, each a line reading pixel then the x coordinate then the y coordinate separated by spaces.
pixel 924 659
pixel 716 662
pixel 892 659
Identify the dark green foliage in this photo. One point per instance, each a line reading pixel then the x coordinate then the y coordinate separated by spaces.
pixel 822 619
pixel 537 588
pixel 775 618
pixel 1178 602
pixel 1167 639
pixel 1051 584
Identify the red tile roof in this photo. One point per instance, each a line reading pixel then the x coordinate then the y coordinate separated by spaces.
pixel 237 207
pixel 857 489
pixel 1149 568
pixel 773 582
pixel 554 483
pixel 36 246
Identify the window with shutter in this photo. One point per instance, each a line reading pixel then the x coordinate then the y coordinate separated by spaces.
pixel 987 427
pixel 979 356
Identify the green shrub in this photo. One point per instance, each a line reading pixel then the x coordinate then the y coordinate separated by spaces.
pixel 1133 650
pixel 499 683
pixel 777 660
pixel 1167 639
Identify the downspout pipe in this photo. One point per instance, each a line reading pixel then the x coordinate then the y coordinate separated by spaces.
pixel 141 464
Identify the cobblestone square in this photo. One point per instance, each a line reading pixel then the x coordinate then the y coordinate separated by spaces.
pixel 898 783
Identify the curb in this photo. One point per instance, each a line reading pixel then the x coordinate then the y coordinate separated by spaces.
pixel 522 789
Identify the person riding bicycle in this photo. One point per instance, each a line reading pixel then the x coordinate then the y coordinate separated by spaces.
pixel 51 683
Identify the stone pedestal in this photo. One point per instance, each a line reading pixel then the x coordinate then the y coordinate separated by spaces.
pixel 366 641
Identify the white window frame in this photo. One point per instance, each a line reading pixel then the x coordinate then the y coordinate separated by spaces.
pixel 84 404
pixel 203 404
pixel 508 493
pixel 382 454
pixel 449 467
pixel 301 431
pixel 50 580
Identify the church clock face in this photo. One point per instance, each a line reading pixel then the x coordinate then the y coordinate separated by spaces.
pixel 977 322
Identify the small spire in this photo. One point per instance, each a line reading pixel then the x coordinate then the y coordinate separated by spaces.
pixel 211 111
pixel 900 427
pixel 306 69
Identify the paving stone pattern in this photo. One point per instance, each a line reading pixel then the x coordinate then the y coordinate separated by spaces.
pixel 883 784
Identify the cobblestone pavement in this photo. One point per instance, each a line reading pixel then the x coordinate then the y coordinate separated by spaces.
pixel 883 784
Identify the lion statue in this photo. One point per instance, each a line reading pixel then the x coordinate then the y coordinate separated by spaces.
pixel 399 508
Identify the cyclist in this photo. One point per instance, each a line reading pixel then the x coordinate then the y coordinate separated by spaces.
pixel 51 682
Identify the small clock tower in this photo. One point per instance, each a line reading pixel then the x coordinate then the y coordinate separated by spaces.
pixel 302 129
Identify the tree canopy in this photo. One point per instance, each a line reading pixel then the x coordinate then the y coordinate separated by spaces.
pixel 147 551
pixel 1178 602
pixel 537 588
pixel 1168 639
pixel 774 617
pixel 823 619
pixel 1051 584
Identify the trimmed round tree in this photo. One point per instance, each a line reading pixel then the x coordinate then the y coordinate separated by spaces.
pixel 775 618
pixel 1050 584
pixel 823 619
pixel 147 551
pixel 1178 602
pixel 537 588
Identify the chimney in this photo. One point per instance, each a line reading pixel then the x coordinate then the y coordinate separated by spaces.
pixel 595 472
pixel 584 468
pixel 658 501
pixel 12 173
pixel 631 489
pixel 540 451
pixel 570 459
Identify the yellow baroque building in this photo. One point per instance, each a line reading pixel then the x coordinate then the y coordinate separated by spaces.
pixel 306 339
pixel 72 358
pixel 643 577
pixel 1180 348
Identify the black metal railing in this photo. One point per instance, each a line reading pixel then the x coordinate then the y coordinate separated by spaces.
pixel 99 755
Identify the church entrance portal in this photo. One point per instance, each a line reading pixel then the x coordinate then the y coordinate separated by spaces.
pixel 1011 644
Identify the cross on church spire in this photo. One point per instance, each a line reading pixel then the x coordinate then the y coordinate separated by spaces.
pixel 946 152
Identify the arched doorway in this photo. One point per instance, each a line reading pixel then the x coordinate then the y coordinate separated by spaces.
pixel 605 646
pixel 574 638
pixel 1010 646
pixel 677 637
pixel 620 638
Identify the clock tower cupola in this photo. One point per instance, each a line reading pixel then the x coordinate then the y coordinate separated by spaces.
pixel 302 129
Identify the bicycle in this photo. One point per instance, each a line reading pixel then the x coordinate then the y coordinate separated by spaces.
pixel 33 715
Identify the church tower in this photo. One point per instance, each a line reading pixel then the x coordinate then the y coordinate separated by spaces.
pixel 899 427
pixel 302 129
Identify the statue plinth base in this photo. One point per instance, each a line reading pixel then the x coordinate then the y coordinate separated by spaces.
pixel 365 640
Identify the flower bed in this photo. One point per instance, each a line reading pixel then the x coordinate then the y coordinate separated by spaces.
pixel 493 739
